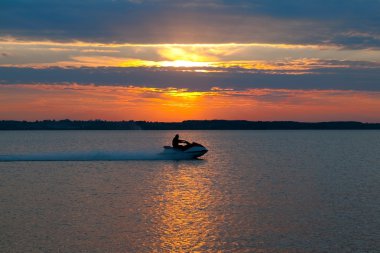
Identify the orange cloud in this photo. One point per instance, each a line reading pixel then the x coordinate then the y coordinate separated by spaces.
pixel 31 102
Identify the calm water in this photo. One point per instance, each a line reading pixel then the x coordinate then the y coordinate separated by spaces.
pixel 255 191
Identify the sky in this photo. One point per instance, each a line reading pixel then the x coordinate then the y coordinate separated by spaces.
pixel 161 60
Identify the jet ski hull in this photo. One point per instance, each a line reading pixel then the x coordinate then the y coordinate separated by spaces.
pixel 191 151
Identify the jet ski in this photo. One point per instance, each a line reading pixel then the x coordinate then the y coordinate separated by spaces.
pixel 190 151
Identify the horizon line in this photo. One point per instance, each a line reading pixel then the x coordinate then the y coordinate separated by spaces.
pixel 187 120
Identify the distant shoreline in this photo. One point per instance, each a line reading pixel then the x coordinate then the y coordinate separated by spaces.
pixel 184 125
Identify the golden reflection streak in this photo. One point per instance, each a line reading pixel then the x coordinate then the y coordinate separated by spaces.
pixel 186 222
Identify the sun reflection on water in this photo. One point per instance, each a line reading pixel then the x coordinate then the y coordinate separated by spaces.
pixel 184 210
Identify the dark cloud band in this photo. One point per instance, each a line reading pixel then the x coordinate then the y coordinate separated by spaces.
pixel 343 79
pixel 351 23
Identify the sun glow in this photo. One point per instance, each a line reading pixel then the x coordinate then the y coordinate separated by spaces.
pixel 181 63
pixel 185 57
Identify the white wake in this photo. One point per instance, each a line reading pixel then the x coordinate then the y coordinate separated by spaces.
pixel 94 156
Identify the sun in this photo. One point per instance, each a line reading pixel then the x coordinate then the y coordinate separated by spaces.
pixel 182 63
pixel 185 57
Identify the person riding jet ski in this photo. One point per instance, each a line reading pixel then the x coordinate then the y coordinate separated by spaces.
pixel 176 143
pixel 187 151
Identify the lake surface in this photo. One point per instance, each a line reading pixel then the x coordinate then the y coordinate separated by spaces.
pixel 255 191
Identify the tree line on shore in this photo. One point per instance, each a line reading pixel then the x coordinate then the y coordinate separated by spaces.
pixel 184 125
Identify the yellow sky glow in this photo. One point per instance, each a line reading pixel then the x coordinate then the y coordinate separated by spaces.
pixel 251 56
pixel 6 40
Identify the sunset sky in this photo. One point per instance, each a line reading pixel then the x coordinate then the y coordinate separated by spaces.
pixel 161 60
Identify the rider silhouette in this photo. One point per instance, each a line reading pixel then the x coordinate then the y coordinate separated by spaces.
pixel 176 142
